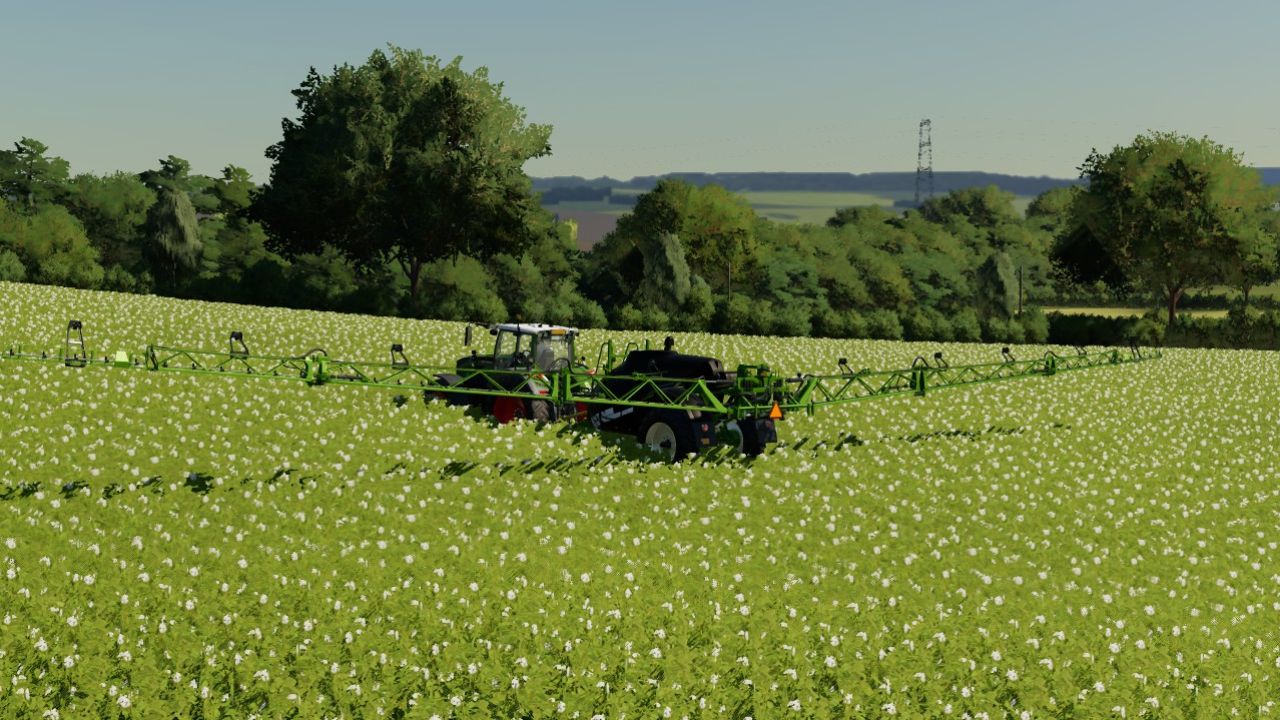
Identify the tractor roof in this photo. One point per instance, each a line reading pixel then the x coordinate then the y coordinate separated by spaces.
pixel 534 328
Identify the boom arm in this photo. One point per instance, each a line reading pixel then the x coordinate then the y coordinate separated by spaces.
pixel 754 392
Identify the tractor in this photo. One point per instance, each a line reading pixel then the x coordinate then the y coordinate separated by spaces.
pixel 529 358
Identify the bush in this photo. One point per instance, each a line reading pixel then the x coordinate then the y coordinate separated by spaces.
pixel 734 315
pixel 1035 325
pixel 120 280
pixel 995 329
pixel 1148 330
pixel 917 325
pixel 11 267
pixel 884 325
pixel 458 290
pixel 965 326
pixel 791 320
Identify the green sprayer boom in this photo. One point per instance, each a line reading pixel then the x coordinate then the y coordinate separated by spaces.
pixel 677 404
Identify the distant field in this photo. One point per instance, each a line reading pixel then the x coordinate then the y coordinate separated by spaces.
pixel 778 205
pixel 1128 312
pixel 809 207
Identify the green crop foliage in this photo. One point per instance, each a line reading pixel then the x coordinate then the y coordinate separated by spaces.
pixel 1094 544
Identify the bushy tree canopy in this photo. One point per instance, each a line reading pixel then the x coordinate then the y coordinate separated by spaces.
pixel 403 158
pixel 1171 212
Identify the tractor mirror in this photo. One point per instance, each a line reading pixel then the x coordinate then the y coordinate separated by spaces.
pixel 467 336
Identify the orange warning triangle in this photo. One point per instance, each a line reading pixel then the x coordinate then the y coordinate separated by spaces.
pixel 775 412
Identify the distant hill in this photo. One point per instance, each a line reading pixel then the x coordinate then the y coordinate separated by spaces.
pixel 891 182
pixel 895 182
pixel 596 203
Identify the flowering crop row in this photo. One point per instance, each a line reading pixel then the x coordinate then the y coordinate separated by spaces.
pixel 1099 543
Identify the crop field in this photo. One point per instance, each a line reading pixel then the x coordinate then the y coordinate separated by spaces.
pixel 1100 543
pixel 1114 312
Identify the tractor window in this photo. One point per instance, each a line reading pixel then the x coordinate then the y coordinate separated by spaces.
pixel 554 352
pixel 508 345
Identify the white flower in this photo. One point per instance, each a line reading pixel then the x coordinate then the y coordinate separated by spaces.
pixel 794 704
pixel 830 661
pixel 889 709
pixel 124 701
pixel 10 543
pixel 455 701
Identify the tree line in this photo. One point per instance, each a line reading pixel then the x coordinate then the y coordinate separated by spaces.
pixel 399 189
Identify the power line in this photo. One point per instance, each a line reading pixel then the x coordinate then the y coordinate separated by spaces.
pixel 924 162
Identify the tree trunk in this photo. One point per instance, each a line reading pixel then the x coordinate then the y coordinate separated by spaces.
pixel 1175 295
pixel 415 277
pixel 1245 291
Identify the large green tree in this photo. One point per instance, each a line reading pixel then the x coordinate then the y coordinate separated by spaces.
pixel 31 177
pixel 1171 212
pixel 403 158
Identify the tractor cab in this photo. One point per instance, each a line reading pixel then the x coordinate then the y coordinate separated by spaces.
pixel 527 346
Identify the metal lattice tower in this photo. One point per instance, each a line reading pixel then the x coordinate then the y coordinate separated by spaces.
pixel 924 163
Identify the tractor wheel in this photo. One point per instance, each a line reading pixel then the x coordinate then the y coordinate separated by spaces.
pixel 506 409
pixel 668 432
pixel 751 445
pixel 450 398
pixel 539 410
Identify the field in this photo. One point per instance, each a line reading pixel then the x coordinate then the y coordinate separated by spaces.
pixel 806 207
pixel 1096 544
pixel 1114 312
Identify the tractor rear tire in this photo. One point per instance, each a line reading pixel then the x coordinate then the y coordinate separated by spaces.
pixel 539 411
pixel 506 409
pixel 668 432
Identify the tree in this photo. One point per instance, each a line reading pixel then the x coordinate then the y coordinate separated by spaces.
pixel 1051 208
pixel 717 232
pixel 1171 211
pixel 31 178
pixel 667 282
pixel 238 242
pixel 51 244
pixel 113 209
pixel 174 233
pixel 982 207
pixel 406 159
pixel 1255 262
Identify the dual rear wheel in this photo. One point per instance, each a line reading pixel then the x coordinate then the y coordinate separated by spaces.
pixel 669 433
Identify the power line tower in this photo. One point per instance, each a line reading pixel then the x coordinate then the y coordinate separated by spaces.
pixel 924 163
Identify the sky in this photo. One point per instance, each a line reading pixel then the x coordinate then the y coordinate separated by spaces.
pixel 640 88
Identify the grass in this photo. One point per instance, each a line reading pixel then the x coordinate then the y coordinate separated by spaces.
pixel 1112 312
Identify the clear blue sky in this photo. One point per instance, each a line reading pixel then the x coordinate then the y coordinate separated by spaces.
pixel 1023 86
